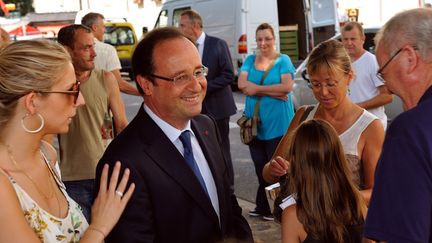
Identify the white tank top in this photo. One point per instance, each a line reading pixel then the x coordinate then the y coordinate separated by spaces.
pixel 349 140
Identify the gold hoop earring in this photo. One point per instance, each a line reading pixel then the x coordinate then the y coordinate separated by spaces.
pixel 36 130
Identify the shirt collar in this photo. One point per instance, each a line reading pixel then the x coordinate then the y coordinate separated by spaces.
pixel 427 95
pixel 201 39
pixel 171 132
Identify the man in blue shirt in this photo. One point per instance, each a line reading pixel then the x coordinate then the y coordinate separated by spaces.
pixel 401 205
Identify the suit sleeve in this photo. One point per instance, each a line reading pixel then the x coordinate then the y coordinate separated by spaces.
pixel 224 67
pixel 135 224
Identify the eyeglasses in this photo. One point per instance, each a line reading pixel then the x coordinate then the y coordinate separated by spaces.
pixel 183 79
pixel 379 73
pixel 317 85
pixel 74 91
pixel 266 39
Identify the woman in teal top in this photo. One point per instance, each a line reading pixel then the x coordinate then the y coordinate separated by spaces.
pixel 276 108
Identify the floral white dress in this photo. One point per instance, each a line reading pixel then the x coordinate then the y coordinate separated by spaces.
pixel 49 228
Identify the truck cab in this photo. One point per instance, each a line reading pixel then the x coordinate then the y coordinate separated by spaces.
pixel 122 36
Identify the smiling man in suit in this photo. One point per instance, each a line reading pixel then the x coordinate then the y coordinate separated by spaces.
pixel 219 102
pixel 183 191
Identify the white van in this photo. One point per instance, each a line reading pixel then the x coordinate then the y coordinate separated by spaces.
pixel 235 21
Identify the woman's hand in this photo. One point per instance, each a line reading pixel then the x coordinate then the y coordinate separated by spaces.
pixel 283 97
pixel 250 89
pixel 278 166
pixel 110 201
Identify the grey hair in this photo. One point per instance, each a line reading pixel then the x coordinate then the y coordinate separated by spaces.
pixel 91 18
pixel 194 17
pixel 413 27
pixel 26 66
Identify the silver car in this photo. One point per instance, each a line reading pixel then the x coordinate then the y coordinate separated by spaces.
pixel 303 94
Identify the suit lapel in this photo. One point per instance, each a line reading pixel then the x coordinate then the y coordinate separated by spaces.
pixel 207 139
pixel 165 154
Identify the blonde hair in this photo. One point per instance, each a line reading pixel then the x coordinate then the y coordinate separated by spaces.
pixel 328 201
pixel 26 66
pixel 332 56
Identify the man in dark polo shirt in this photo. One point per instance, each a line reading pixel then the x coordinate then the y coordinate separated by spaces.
pixel 401 205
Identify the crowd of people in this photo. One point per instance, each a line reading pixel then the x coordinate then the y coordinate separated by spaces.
pixel 168 174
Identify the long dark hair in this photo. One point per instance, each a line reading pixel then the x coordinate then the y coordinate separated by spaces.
pixel 327 199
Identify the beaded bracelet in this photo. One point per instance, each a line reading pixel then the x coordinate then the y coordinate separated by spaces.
pixel 97 230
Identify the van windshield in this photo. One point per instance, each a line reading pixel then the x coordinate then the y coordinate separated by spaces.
pixel 119 35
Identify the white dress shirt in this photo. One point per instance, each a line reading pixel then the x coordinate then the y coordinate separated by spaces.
pixel 173 135
pixel 200 44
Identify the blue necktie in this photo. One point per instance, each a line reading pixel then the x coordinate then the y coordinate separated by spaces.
pixel 185 138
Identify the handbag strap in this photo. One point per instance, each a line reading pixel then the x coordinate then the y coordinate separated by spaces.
pixel 261 83
pixel 306 112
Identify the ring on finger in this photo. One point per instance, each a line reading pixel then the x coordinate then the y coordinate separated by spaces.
pixel 119 193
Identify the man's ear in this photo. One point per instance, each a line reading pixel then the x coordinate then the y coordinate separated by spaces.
pixel 68 49
pixel 413 57
pixel 145 84
pixel 93 28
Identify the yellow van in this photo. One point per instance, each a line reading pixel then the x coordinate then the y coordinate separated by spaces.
pixel 122 36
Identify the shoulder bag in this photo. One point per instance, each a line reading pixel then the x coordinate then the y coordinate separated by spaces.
pixel 249 125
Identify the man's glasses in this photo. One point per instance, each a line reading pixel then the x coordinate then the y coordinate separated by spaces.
pixel 74 91
pixel 379 73
pixel 183 79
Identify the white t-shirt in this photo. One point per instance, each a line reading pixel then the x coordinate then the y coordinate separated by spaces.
pixel 106 56
pixel 365 84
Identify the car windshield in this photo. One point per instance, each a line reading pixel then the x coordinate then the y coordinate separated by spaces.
pixel 119 35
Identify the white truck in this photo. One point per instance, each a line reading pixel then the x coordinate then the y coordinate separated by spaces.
pixel 297 23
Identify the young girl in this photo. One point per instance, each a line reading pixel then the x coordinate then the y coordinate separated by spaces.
pixel 329 207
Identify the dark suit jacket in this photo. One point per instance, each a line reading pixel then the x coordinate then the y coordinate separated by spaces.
pixel 169 204
pixel 219 102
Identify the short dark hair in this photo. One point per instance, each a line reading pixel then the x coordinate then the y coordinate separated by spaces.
pixel 91 18
pixel 142 58
pixel 66 35
pixel 193 16
pixel 265 26
pixel 351 25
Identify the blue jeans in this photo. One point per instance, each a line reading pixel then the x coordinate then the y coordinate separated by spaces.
pixel 82 193
pixel 261 153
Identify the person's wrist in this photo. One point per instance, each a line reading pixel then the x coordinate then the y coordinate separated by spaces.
pixel 98 231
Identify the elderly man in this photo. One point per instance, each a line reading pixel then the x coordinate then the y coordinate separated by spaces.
pixel 183 191
pixel 401 205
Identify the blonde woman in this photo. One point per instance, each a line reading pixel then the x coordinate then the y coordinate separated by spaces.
pixel 361 133
pixel 39 95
